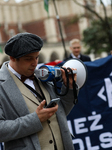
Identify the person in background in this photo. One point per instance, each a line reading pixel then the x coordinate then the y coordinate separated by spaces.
pixel 75 47
pixel 110 53
pixel 25 122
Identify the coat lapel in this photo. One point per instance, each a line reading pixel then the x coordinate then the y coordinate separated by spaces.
pixel 24 90
pixel 13 93
pixel 15 97
pixel 45 92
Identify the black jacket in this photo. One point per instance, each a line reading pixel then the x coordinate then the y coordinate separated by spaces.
pixel 82 57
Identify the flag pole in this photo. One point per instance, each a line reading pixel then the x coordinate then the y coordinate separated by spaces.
pixel 59 24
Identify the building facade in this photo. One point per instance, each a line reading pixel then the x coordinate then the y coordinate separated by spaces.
pixel 30 16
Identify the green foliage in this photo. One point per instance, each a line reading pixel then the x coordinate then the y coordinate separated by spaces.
pixel 95 37
pixel 75 19
pixel 1 50
pixel 72 20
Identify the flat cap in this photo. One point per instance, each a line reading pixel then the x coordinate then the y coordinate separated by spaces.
pixel 23 44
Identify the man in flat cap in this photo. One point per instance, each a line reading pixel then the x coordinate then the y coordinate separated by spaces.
pixel 25 123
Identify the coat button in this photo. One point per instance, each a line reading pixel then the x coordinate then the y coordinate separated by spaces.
pixel 50 141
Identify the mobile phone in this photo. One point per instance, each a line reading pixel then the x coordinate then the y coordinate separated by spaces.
pixel 53 103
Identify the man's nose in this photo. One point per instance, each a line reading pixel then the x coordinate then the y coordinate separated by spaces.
pixel 34 63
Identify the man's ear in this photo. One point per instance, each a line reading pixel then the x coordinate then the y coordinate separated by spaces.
pixel 12 58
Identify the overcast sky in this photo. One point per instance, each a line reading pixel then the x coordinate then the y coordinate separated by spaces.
pixel 106 2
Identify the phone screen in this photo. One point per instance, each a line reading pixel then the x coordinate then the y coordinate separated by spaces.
pixel 53 103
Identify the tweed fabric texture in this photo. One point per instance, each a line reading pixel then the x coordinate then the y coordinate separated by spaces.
pixel 23 44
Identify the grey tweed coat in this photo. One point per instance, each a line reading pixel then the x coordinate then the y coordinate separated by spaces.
pixel 18 127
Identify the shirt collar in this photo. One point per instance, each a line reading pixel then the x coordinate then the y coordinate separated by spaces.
pixel 27 81
pixel 73 56
pixel 14 72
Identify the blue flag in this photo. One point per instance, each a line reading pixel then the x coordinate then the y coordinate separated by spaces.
pixel 90 121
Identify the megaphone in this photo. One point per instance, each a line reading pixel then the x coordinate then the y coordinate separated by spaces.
pixel 47 73
pixel 81 70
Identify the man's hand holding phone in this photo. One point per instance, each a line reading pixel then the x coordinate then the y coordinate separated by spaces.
pixel 44 113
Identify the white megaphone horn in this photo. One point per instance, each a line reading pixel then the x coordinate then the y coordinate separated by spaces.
pixel 48 73
pixel 81 70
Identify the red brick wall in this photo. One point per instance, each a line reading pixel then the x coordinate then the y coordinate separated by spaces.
pixel 36 27
pixel 71 29
pixel 5 34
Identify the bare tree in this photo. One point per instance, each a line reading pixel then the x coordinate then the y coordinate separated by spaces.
pixel 104 20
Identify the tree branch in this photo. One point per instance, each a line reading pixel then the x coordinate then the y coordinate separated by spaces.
pixel 111 5
pixel 105 23
pixel 108 27
pixel 91 10
pixel 104 9
pixel 106 18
